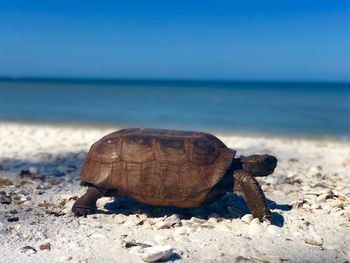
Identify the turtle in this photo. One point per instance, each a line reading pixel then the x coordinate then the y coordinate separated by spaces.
pixel 160 167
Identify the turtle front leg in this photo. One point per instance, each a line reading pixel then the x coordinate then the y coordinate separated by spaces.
pixel 86 204
pixel 247 186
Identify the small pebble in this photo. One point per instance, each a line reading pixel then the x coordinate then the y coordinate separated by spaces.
pixel 212 220
pixel 313 242
pixel 340 213
pixel 247 218
pixel 21 192
pixel 28 249
pixel 335 210
pixel 315 170
pixel 255 221
pixel 315 206
pixel 208 225
pixel 151 254
pixel 342 198
pixel 266 223
pixel 65 258
pixel 33 170
pixel 5 199
pixel 255 227
pixel 201 221
pixel 45 246
pixel 162 225
pixel 184 230
pixel 313 238
pixel 153 221
pixel 322 197
pixel 28 203
pixel 13 219
pixel 180 231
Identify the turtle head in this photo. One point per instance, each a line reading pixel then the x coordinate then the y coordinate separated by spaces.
pixel 259 165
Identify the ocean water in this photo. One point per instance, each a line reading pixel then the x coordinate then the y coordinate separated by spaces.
pixel 286 108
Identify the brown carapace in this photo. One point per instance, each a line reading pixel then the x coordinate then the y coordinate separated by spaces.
pixel 171 168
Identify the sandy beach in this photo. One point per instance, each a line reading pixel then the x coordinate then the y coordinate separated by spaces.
pixel 309 196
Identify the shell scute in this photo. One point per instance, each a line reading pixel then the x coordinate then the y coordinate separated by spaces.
pixel 134 178
pixel 138 148
pixel 151 184
pixel 107 150
pixel 203 151
pixel 191 179
pixel 169 174
pixel 172 150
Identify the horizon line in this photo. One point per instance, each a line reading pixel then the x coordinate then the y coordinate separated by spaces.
pixel 174 80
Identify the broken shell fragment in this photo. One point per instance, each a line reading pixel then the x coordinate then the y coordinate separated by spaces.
pixel 45 246
pixel 150 254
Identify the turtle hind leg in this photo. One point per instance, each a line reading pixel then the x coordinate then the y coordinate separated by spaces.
pixel 86 204
pixel 247 186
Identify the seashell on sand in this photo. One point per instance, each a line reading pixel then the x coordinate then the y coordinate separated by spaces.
pixel 247 218
pixel 313 242
pixel 184 230
pixel 150 254
pixel 255 227
pixel 168 222
pixel 197 220
pixel 255 221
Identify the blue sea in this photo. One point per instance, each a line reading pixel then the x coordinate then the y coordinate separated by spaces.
pixel 276 108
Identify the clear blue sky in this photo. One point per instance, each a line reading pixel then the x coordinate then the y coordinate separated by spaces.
pixel 249 40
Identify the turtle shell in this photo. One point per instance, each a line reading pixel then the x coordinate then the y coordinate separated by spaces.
pixel 158 167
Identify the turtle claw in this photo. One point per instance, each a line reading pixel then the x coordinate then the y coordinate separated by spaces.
pixel 86 205
pixel 264 216
pixel 82 210
pixel 268 217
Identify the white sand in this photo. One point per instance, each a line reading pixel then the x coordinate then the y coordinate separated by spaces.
pixel 314 175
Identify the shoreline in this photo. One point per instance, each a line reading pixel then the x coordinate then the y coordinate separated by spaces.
pixel 308 195
pixel 112 127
